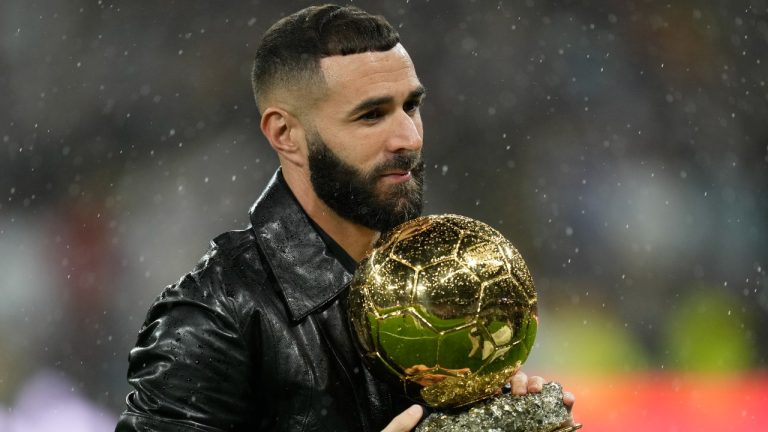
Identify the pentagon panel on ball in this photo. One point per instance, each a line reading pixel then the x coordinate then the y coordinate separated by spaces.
pixel 445 306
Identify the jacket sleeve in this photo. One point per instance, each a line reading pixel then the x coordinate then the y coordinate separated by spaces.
pixel 190 368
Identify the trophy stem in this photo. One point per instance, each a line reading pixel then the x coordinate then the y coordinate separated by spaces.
pixel 457 392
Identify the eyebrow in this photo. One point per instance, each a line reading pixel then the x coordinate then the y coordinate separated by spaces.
pixel 377 101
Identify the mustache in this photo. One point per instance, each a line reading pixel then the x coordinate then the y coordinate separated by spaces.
pixel 402 161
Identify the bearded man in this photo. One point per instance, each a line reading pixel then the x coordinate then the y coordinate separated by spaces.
pixel 256 336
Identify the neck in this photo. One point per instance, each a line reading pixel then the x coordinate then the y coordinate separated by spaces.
pixel 355 239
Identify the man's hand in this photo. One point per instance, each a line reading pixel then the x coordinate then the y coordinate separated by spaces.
pixel 406 420
pixel 521 385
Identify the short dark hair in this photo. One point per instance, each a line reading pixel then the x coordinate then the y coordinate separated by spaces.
pixel 290 51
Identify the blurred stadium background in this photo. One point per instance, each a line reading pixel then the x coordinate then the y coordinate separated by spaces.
pixel 621 145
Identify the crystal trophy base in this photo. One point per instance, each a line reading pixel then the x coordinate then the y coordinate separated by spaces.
pixel 534 412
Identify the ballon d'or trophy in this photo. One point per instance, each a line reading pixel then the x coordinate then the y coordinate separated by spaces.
pixel 444 306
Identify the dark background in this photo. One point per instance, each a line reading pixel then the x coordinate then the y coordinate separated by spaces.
pixel 621 145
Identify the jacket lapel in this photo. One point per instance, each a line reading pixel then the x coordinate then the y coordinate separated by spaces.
pixel 308 276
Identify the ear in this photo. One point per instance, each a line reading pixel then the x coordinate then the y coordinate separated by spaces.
pixel 285 134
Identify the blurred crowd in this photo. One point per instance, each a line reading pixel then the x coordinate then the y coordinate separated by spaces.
pixel 621 145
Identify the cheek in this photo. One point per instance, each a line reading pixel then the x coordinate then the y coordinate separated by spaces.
pixel 364 148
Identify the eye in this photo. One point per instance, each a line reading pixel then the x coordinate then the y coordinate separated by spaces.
pixel 371 115
pixel 412 105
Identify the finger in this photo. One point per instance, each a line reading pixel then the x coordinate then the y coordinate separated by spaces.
pixel 520 384
pixel 535 384
pixel 406 420
pixel 569 399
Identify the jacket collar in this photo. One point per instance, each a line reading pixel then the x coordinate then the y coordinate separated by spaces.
pixel 307 274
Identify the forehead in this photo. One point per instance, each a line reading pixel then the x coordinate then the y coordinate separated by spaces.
pixel 355 77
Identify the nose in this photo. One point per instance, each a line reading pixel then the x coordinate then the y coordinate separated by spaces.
pixel 407 133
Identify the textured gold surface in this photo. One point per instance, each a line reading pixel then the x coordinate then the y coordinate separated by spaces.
pixel 452 392
pixel 447 305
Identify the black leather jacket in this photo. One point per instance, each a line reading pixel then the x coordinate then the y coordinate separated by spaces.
pixel 256 338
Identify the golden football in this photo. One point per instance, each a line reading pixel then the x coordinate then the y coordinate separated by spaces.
pixel 446 307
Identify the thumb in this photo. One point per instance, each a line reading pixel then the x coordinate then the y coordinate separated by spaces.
pixel 406 420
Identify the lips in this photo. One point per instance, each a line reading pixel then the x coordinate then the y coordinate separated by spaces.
pixel 401 168
pixel 396 173
pixel 397 176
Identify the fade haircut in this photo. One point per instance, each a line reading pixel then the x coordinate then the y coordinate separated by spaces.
pixel 288 57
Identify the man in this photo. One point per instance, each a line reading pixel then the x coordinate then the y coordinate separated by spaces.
pixel 256 337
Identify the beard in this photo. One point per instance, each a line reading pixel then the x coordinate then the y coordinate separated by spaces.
pixel 355 195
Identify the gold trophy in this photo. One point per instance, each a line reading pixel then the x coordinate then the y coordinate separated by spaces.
pixel 445 307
